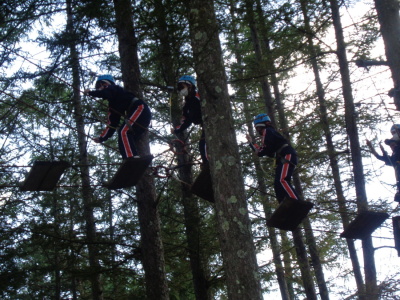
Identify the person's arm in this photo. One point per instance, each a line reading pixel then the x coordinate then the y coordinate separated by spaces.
pixel 385 157
pixel 113 120
pixel 185 123
pixel 252 145
pixel 270 140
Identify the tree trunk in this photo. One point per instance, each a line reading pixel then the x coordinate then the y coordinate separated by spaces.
pixel 234 227
pixel 149 220
pixel 265 87
pixel 351 127
pixel 388 17
pixel 87 193
pixel 275 247
pixel 190 205
pixel 310 239
pixel 297 236
pixel 331 149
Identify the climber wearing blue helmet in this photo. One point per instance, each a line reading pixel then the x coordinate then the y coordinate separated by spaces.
pixel 191 111
pixel 121 103
pixel 275 145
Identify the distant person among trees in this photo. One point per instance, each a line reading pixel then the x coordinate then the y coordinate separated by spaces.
pixel 393 160
pixel 121 103
pixel 191 111
pixel 275 145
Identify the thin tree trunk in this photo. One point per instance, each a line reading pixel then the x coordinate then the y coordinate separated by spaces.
pixel 297 236
pixel 331 150
pixel 190 205
pixel 287 262
pixel 275 247
pixel 313 249
pixel 234 226
pixel 149 220
pixel 265 87
pixel 87 193
pixel 351 126
pixel 388 17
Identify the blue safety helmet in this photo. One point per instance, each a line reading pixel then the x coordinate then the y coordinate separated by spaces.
pixel 187 79
pixel 106 77
pixel 260 119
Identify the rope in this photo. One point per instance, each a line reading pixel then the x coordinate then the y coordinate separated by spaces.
pixel 101 103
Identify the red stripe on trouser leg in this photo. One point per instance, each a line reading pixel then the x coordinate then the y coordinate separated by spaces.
pixel 283 181
pixel 125 141
pixel 125 129
pixel 136 114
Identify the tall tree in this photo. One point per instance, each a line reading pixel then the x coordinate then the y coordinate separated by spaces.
pixel 312 51
pixel 87 193
pixel 242 94
pixel 352 132
pixel 150 228
pixel 389 19
pixel 239 259
pixel 167 61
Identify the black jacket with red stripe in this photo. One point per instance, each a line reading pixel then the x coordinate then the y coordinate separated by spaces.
pixel 119 101
pixel 191 112
pixel 272 142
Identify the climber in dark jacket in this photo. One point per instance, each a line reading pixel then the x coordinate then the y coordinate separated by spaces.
pixel 191 111
pixel 121 103
pixel 275 145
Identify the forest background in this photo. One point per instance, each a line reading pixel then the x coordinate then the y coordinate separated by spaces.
pixel 157 240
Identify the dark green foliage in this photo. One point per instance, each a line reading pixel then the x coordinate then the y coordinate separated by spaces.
pixel 44 252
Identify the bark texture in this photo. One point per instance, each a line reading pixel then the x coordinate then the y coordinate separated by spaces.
pixel 234 227
pixel 149 220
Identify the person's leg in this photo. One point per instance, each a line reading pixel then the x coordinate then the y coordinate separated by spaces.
pixel 126 143
pixel 283 177
pixel 136 123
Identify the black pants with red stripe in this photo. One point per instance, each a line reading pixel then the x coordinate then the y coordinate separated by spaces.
pixel 139 120
pixel 286 163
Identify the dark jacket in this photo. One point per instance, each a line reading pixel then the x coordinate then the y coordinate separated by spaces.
pixel 191 112
pixel 272 142
pixel 119 102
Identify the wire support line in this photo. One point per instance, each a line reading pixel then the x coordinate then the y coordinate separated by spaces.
pixel 55 119
pixel 79 90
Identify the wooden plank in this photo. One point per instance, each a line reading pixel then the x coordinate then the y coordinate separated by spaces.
pixel 129 172
pixel 289 214
pixel 202 186
pixel 364 224
pixel 44 175
pixel 396 233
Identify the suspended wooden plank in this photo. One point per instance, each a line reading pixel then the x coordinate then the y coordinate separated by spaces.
pixel 364 224
pixel 289 214
pixel 202 186
pixel 129 172
pixel 44 175
pixel 396 233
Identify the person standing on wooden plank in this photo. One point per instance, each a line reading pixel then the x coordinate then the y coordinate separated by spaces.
pixel 191 111
pixel 122 103
pixel 275 145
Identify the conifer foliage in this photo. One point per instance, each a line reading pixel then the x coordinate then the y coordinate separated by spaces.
pixel 326 73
